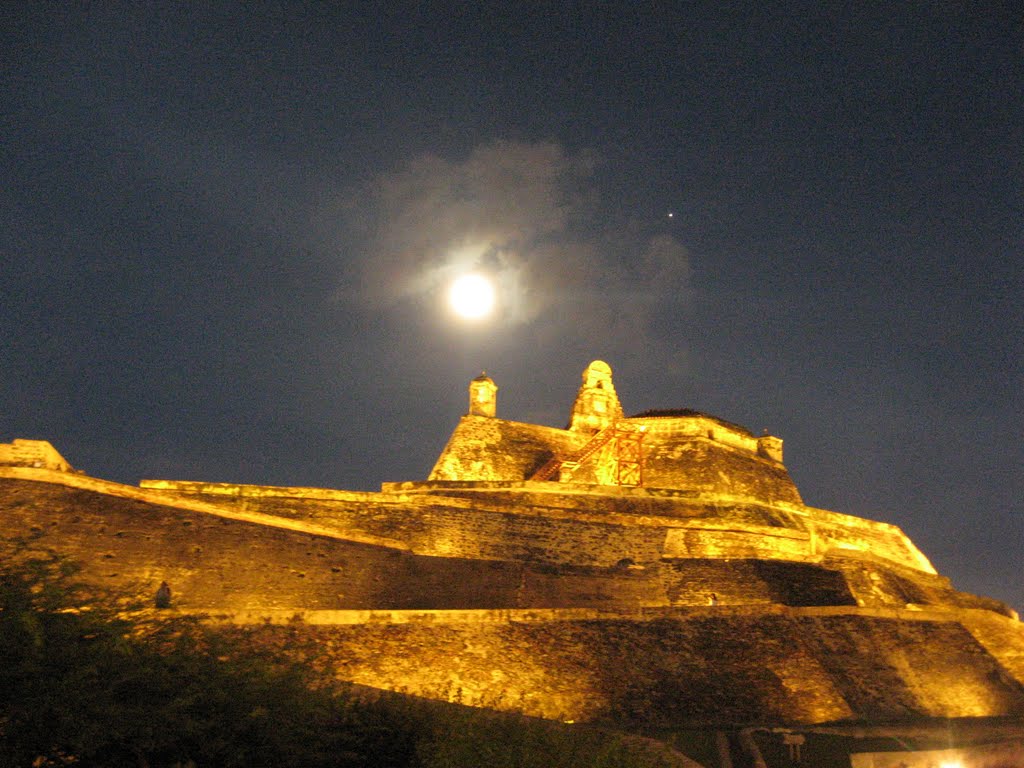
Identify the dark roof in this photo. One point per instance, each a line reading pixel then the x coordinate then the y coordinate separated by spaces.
pixel 664 413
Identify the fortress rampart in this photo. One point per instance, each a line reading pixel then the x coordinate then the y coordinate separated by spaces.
pixel 693 452
pixel 785 666
pixel 38 454
pixel 660 568
pixel 499 520
pixel 353 553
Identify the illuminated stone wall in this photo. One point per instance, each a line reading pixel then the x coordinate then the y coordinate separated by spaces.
pixel 247 551
pixel 597 404
pixel 687 453
pixel 521 627
pixel 679 453
pixel 445 530
pixel 129 547
pixel 574 526
pixel 751 582
pixel 32 453
pixel 712 665
pixel 483 448
pixel 712 594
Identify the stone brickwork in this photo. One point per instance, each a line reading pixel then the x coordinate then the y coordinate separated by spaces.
pixel 483 396
pixel 678 454
pixel 597 404
pixel 249 549
pixel 681 449
pixel 484 448
pixel 129 547
pixel 519 635
pixel 552 522
pixel 33 453
pixel 753 582
pixel 712 665
pixel 677 459
pixel 708 594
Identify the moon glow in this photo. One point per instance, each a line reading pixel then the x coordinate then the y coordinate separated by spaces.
pixel 471 296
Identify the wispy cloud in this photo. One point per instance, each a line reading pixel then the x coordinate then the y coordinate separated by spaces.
pixel 524 213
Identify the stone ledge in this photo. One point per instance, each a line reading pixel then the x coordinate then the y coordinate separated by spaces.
pixel 177 501
pixel 206 498
pixel 200 488
pixel 535 615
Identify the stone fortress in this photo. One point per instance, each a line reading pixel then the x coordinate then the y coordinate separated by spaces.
pixel 660 569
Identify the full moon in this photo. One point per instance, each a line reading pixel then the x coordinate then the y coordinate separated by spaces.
pixel 471 296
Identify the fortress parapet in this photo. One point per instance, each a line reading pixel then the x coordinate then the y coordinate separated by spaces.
pixel 578 564
pixel 33 453
pixel 672 449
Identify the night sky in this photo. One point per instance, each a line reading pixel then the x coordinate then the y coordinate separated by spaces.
pixel 227 232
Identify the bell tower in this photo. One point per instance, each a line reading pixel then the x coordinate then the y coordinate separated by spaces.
pixel 483 396
pixel 596 404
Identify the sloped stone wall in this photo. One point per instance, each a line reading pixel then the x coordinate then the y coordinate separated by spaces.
pixel 128 547
pixel 464 530
pixel 451 557
pixel 483 448
pixel 752 582
pixel 33 453
pixel 692 668
pixel 712 466
pixel 675 456
pixel 747 659
pixel 880 582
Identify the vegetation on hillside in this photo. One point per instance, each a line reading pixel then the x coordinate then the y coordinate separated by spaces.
pixel 81 686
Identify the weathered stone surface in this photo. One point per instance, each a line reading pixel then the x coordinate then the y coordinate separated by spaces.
pixel 707 595
pixel 687 453
pixel 713 665
pixel 633 659
pixel 484 448
pixel 32 453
